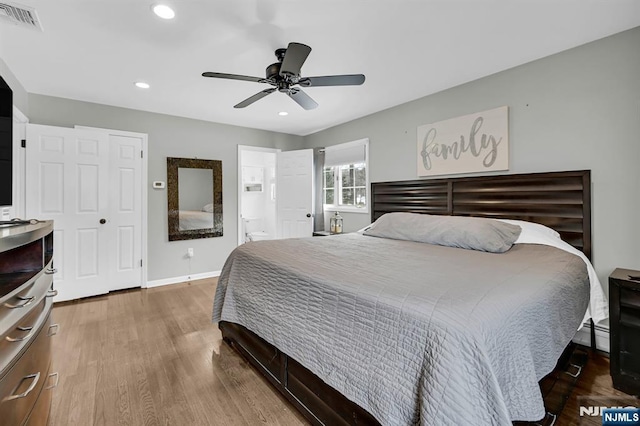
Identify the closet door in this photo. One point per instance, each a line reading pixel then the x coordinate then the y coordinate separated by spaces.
pixel 89 182
pixel 67 181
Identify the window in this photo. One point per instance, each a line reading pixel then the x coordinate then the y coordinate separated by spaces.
pixel 345 183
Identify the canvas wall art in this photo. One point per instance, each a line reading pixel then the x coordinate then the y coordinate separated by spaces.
pixel 472 143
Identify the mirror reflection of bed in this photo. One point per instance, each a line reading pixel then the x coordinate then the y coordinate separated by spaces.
pixel 195 189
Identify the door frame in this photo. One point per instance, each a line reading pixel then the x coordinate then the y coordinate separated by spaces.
pixel 242 148
pixel 144 183
pixel 18 207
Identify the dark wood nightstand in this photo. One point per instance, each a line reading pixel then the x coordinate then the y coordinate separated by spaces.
pixel 321 233
pixel 624 317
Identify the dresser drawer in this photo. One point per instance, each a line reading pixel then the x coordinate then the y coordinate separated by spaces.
pixel 630 297
pixel 40 414
pixel 20 387
pixel 17 338
pixel 14 307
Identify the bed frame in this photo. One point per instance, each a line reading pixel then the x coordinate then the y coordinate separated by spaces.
pixel 559 200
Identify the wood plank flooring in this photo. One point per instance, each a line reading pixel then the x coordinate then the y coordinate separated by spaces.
pixel 153 357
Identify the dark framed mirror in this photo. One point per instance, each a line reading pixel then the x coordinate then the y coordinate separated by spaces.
pixel 194 195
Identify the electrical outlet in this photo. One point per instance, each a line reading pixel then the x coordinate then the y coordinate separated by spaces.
pixel 190 252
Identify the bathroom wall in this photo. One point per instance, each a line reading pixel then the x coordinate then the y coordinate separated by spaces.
pixel 259 207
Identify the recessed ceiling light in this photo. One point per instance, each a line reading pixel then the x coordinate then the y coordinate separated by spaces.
pixel 163 11
pixel 142 85
pixel 283 113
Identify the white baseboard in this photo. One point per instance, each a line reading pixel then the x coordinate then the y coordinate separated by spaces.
pixel 583 337
pixel 182 279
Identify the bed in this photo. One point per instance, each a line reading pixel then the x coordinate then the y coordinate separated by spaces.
pixel 369 344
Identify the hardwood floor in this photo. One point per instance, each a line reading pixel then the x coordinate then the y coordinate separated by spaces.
pixel 594 381
pixel 153 357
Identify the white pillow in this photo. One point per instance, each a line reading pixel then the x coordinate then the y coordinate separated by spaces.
pixel 530 229
pixel 208 208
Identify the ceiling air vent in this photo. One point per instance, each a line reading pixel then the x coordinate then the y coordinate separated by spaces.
pixel 18 14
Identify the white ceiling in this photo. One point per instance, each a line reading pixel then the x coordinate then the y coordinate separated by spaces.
pixel 94 50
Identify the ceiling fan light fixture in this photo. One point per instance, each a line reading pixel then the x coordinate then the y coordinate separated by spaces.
pixel 163 11
pixel 283 113
pixel 142 85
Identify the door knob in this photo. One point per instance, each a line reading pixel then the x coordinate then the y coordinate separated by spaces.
pixel 103 221
pixel 308 214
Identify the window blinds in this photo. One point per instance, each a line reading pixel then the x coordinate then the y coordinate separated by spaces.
pixel 345 153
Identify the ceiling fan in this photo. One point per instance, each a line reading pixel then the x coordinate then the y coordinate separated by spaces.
pixel 284 75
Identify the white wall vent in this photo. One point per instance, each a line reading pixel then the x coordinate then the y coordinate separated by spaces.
pixel 18 14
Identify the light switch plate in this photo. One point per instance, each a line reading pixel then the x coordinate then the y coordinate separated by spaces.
pixel 158 184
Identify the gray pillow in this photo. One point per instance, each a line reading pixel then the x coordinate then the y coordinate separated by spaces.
pixel 453 231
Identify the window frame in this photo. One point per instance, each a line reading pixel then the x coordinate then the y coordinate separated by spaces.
pixel 337 182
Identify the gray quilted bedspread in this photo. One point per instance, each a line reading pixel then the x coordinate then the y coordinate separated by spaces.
pixel 413 333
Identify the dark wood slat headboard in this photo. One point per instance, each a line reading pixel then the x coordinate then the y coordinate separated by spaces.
pixel 559 200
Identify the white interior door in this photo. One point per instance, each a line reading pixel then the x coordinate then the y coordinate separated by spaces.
pixel 67 181
pixel 125 208
pixel 294 193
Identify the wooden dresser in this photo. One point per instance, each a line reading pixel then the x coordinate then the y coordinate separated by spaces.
pixel 26 298
pixel 624 320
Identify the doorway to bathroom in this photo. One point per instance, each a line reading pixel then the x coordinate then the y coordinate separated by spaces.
pixel 256 194
pixel 275 193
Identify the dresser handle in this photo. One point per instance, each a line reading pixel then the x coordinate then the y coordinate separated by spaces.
pixel 26 301
pixel 56 327
pixel 52 293
pixel 555 417
pixel 31 387
pixel 20 339
pixel 50 271
pixel 55 385
pixel 578 367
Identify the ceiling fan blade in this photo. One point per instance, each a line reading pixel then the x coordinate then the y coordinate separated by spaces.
pixel 302 99
pixel 333 80
pixel 233 77
pixel 296 54
pixel 255 97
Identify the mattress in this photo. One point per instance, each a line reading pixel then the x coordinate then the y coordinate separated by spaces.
pixel 413 333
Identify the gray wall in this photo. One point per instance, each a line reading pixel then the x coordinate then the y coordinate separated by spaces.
pixel 20 97
pixel 579 109
pixel 171 136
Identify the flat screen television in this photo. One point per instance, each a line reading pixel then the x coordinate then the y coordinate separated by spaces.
pixel 6 143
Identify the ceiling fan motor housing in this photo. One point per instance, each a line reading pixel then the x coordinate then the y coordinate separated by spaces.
pixel 275 79
pixel 273 71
